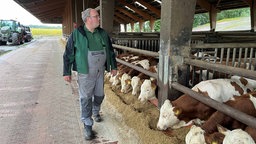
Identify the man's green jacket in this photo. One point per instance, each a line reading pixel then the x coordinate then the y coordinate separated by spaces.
pixel 75 55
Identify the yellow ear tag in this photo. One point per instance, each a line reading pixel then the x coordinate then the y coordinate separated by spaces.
pixel 177 112
pixel 214 142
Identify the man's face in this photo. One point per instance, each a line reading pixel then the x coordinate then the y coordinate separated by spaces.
pixel 94 19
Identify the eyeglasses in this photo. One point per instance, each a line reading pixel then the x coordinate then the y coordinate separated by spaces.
pixel 96 16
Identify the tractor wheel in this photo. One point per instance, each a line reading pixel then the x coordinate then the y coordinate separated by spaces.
pixel 3 43
pixel 15 39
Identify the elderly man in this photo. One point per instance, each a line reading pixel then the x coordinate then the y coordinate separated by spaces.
pixel 89 52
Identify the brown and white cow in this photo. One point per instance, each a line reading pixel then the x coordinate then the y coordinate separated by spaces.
pixel 148 90
pixel 197 135
pixel 251 131
pixel 175 114
pixel 237 136
pixel 147 63
pixel 245 103
pixel 137 81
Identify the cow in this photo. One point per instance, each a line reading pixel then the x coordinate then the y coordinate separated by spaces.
pixel 137 81
pixel 251 131
pixel 245 103
pixel 117 77
pixel 236 136
pixel 186 108
pixel 197 135
pixel 145 62
pixel 147 90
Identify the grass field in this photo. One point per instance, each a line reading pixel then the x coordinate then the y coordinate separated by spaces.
pixel 46 32
pixel 232 24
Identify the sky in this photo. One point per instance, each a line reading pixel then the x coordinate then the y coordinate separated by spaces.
pixel 9 9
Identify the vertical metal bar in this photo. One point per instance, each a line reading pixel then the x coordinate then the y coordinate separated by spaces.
pixel 221 55
pixel 245 57
pixel 228 55
pixel 254 60
pixel 215 54
pixel 141 44
pixel 250 59
pixel 193 76
pixel 234 57
pixel 239 57
pixel 149 45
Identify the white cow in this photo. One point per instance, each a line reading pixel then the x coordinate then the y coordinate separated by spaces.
pixel 147 90
pixel 236 136
pixel 136 84
pixel 125 83
pixel 195 135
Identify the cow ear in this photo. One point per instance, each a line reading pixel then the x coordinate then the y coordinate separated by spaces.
pixel 214 142
pixel 177 111
pixel 128 81
pixel 199 91
pixel 153 85
pixel 221 129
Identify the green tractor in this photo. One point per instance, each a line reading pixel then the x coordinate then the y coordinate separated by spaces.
pixel 11 31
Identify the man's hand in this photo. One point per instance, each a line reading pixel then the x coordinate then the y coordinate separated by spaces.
pixel 113 72
pixel 67 78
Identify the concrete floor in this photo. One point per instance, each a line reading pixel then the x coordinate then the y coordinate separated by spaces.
pixel 38 107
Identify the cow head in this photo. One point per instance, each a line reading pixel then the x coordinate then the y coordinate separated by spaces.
pixel 144 63
pixel 147 91
pixel 167 116
pixel 135 82
pixel 195 135
pixel 125 83
pixel 236 136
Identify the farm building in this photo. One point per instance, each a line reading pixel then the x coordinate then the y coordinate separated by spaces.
pixel 182 58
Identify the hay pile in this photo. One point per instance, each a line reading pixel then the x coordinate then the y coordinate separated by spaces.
pixel 142 118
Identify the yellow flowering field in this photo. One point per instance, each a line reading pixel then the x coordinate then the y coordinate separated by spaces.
pixel 46 32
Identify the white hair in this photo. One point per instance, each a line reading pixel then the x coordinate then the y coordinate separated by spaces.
pixel 85 14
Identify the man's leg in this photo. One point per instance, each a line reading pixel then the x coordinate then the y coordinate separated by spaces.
pixel 98 97
pixel 86 87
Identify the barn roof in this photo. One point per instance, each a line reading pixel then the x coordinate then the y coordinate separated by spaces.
pixel 126 11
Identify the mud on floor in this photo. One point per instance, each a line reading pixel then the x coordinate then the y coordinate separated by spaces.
pixel 142 117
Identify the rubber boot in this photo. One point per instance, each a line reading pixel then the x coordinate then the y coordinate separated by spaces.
pixel 88 133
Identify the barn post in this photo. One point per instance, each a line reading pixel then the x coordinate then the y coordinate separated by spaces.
pixel 253 15
pixel 107 15
pixel 213 18
pixel 176 28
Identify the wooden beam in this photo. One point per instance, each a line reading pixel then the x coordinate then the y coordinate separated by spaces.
pixel 45 10
pixel 249 2
pixel 152 24
pixel 44 4
pixel 140 12
pixel 213 18
pixel 55 12
pixel 150 7
pixel 253 15
pixel 119 20
pixel 204 4
pixel 129 14
pixel 124 17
